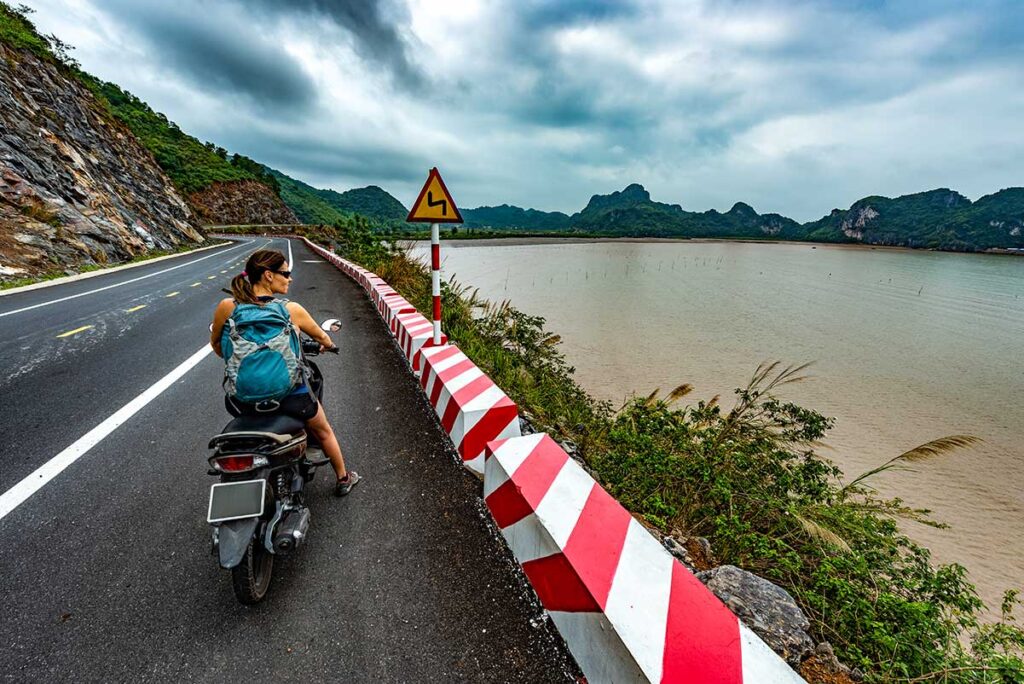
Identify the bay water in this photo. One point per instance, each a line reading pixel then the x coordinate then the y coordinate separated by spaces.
pixel 907 346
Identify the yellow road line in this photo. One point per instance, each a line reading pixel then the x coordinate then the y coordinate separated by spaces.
pixel 173 294
pixel 195 284
pixel 75 331
pixel 135 308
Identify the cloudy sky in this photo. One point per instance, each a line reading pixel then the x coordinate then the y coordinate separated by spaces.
pixel 793 107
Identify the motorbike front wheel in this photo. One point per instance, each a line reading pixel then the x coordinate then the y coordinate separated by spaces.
pixel 251 577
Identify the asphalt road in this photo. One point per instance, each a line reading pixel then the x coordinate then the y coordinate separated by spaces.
pixel 106 572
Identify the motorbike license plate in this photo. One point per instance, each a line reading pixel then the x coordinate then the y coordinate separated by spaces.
pixel 236 500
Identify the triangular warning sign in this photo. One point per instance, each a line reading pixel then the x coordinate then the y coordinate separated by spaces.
pixel 435 203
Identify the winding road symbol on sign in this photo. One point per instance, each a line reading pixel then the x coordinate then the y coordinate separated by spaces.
pixel 434 203
pixel 439 203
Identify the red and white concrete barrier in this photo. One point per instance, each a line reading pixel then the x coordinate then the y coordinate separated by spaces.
pixel 472 409
pixel 629 611
pixel 414 332
pixel 393 306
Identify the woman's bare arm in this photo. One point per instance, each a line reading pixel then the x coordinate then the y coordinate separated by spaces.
pixel 220 316
pixel 304 322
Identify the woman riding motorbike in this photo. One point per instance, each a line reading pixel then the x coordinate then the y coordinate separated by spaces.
pixel 266 275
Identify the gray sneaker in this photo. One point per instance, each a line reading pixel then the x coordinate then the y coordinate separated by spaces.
pixel 345 486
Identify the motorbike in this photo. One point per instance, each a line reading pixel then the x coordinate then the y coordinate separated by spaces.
pixel 258 509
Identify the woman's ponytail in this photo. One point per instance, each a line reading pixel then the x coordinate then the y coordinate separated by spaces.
pixel 241 289
pixel 260 261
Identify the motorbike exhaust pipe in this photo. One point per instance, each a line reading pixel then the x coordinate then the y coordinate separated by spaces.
pixel 291 531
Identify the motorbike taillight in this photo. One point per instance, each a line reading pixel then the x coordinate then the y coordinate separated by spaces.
pixel 236 463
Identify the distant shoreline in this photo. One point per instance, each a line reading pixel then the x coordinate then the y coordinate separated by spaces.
pixel 530 241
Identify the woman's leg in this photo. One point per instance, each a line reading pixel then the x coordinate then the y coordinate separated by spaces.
pixel 325 435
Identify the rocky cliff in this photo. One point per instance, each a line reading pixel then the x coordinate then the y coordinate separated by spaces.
pixel 942 219
pixel 633 212
pixel 76 187
pixel 240 202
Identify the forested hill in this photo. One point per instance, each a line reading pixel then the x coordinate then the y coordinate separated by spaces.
pixel 371 201
pixel 315 205
pixel 633 212
pixel 940 219
pixel 514 218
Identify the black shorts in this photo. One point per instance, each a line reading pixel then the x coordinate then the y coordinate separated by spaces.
pixel 301 406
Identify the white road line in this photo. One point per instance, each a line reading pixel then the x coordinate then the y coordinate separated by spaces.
pixel 105 271
pixel 126 282
pixel 291 264
pixel 17 494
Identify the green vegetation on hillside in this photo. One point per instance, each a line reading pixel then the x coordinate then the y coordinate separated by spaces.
pixel 16 31
pixel 940 219
pixel 371 202
pixel 749 479
pixel 323 206
pixel 515 218
pixel 937 219
pixel 190 164
pixel 305 201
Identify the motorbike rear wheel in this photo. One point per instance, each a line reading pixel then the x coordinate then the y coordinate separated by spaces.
pixel 251 577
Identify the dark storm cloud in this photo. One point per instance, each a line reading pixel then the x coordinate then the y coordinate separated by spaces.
pixel 373 26
pixel 230 47
pixel 547 14
pixel 221 57
pixel 311 157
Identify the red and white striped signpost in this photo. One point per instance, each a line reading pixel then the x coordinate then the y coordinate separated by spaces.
pixel 434 206
pixel 435 278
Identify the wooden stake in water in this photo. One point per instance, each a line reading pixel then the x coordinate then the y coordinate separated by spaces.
pixel 435 278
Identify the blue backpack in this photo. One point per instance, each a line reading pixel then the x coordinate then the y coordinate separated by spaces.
pixel 261 353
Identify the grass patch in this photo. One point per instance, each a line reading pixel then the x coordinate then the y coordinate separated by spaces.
pixel 19 33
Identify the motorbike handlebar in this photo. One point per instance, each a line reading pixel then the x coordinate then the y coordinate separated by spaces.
pixel 311 347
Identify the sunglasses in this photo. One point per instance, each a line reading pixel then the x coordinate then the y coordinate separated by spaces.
pixel 286 274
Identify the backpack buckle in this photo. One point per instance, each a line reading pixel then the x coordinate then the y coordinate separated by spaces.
pixel 265 406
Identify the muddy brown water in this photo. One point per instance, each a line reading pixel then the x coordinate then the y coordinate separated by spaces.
pixel 907 346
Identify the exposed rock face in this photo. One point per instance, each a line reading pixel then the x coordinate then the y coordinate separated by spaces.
pixel 240 203
pixel 853 227
pixel 767 609
pixel 694 552
pixel 76 187
pixel 822 667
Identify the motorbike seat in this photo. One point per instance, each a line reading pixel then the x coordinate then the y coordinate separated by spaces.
pixel 271 427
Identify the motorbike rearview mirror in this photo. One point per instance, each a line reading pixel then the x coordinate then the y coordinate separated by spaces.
pixel 331 325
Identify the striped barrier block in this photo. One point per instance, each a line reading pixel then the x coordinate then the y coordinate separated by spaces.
pixel 391 307
pixel 472 409
pixel 629 611
pixel 381 290
pixel 414 332
pixel 389 303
